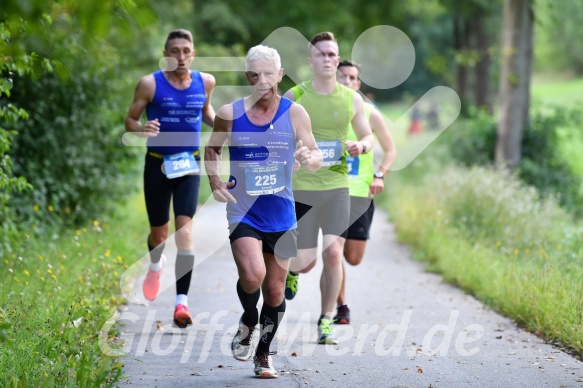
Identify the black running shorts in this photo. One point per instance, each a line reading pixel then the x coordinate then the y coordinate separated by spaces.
pixel 361 212
pixel 159 191
pixel 280 244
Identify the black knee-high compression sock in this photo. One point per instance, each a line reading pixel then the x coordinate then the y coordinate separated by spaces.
pixel 155 252
pixel 183 270
pixel 269 321
pixel 249 302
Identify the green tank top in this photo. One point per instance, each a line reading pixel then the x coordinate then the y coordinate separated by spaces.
pixel 330 116
pixel 360 168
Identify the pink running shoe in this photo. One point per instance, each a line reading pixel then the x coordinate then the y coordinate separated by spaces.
pixel 182 317
pixel 152 282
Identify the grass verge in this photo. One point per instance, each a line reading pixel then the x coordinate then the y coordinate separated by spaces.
pixel 485 232
pixel 56 293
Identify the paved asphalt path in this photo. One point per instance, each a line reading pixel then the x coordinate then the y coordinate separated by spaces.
pixel 408 328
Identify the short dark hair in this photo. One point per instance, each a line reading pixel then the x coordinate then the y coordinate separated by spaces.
pixel 321 37
pixel 178 34
pixel 347 63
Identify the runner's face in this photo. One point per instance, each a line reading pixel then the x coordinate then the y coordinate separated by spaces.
pixel 183 51
pixel 324 58
pixel 348 76
pixel 263 76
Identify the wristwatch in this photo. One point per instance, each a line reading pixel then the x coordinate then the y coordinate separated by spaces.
pixel 379 175
pixel 363 148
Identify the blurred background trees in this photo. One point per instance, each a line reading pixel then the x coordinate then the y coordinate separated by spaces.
pixel 67 70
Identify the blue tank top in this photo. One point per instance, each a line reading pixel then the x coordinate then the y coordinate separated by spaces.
pixel 261 161
pixel 177 111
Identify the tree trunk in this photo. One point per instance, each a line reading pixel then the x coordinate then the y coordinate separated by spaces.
pixel 482 70
pixel 514 92
pixel 460 34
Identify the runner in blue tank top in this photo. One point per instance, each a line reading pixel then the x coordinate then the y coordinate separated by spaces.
pixel 262 131
pixel 176 101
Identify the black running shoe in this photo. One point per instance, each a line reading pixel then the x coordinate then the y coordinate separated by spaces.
pixel 342 315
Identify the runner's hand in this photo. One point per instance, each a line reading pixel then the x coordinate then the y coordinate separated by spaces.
pixel 377 186
pixel 221 191
pixel 151 128
pixel 303 155
pixel 354 148
pixel 297 166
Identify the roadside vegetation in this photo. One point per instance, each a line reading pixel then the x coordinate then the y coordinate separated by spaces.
pixel 515 241
pixel 57 291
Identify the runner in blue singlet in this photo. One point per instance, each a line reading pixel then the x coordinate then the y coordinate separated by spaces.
pixel 176 102
pixel 263 131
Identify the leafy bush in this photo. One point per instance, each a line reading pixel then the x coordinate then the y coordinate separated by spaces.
pixel 70 148
pixel 10 184
pixel 549 163
pixel 545 163
pixel 473 140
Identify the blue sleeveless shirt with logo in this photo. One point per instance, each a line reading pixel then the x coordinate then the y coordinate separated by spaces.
pixel 177 111
pixel 261 162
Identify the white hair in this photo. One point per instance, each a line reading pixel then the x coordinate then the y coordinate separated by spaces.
pixel 263 52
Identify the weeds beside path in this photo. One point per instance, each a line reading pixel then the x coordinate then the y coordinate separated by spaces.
pixel 55 294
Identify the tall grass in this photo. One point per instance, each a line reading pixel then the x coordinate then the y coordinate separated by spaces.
pixel 55 294
pixel 486 232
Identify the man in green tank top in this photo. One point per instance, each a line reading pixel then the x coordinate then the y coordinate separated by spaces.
pixel 322 198
pixel 364 182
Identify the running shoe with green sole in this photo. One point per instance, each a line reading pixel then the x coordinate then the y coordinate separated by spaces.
pixel 291 286
pixel 326 333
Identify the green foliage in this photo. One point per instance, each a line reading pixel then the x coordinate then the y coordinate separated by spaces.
pixel 473 140
pixel 56 293
pixel 10 114
pixel 558 35
pixel 488 233
pixel 69 148
pixel 545 163
pixel 494 207
pixel 549 161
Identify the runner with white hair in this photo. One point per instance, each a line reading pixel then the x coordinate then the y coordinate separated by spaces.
pixel 266 134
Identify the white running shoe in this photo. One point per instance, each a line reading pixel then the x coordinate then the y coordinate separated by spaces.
pixel 264 366
pixel 242 345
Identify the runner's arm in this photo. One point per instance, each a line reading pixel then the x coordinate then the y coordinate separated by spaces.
pixel 208 113
pixel 307 153
pixel 143 95
pixel 213 154
pixel 379 127
pixel 361 128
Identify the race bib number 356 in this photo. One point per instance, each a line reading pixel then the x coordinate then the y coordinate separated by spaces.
pixel 331 152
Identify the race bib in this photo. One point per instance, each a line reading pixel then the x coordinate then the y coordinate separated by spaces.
pixel 264 179
pixel 180 164
pixel 331 152
pixel 353 163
